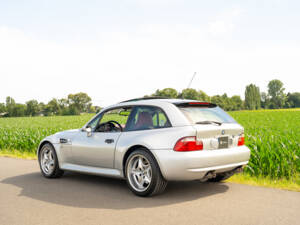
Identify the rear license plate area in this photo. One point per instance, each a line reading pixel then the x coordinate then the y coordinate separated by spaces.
pixel 223 142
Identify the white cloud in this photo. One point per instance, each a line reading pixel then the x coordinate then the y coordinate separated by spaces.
pixel 224 23
pixel 220 27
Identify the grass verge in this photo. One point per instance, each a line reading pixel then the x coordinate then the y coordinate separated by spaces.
pixel 291 185
pixel 17 154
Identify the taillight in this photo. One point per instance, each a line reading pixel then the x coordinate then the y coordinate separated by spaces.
pixel 188 144
pixel 241 140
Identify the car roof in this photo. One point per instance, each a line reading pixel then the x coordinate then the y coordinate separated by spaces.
pixel 154 101
pixel 159 99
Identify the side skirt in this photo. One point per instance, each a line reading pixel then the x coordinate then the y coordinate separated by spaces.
pixel 92 170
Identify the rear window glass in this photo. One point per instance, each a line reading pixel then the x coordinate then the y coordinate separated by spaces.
pixel 199 114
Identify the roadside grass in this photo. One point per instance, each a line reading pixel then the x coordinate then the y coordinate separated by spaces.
pixel 17 154
pixel 284 184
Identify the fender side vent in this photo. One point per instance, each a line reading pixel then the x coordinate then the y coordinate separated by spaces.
pixel 63 141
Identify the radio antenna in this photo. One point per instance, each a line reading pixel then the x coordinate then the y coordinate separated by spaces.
pixel 192 80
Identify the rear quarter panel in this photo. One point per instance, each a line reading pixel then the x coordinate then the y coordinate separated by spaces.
pixel 162 139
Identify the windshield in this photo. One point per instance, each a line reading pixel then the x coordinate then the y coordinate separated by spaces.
pixel 198 114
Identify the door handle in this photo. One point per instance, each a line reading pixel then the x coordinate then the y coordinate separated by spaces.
pixel 109 141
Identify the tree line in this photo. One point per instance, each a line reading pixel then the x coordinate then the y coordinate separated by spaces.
pixel 74 104
pixel 78 103
pixel 275 98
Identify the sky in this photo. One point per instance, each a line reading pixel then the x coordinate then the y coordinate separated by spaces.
pixel 117 50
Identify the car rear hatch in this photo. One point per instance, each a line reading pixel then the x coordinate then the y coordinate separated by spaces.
pixel 219 137
pixel 214 127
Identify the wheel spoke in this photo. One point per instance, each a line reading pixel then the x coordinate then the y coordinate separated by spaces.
pixel 47 167
pixel 140 179
pixel 46 155
pixel 146 180
pixel 49 155
pixel 51 162
pixel 135 172
pixel 140 163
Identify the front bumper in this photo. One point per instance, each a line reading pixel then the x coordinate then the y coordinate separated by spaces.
pixel 195 165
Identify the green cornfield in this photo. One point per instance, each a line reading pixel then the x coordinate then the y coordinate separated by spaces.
pixel 272 135
pixel 274 139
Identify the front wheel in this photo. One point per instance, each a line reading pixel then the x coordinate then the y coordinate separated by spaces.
pixel 49 163
pixel 143 175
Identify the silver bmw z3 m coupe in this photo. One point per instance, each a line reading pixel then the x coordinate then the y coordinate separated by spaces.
pixel 149 142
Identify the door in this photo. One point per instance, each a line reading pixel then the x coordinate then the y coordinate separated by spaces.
pixel 97 148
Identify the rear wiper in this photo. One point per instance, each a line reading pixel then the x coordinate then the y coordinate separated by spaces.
pixel 209 122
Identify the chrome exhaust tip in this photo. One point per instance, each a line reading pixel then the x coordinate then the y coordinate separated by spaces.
pixel 209 175
pixel 238 170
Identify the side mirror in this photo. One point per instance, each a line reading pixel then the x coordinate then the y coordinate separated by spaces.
pixel 88 131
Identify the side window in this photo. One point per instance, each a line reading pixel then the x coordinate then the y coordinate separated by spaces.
pixel 147 117
pixel 94 122
pixel 111 121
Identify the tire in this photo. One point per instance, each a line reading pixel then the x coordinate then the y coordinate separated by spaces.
pixel 49 163
pixel 144 179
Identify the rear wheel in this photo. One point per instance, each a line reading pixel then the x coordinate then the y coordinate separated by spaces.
pixel 143 174
pixel 49 163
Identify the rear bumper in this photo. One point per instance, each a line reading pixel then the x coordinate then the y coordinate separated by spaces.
pixel 195 165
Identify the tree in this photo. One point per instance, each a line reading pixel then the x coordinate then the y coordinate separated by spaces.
pixel 252 97
pixel 18 110
pixel 167 92
pixel 41 109
pixel 10 104
pixel 63 106
pixel 276 92
pixel 237 102
pixel 32 108
pixel 227 103
pixel 2 108
pixel 202 96
pixel 78 103
pixel 189 93
pixel 218 100
pixel 265 100
pixel 91 108
pixel 53 107
pixel 293 100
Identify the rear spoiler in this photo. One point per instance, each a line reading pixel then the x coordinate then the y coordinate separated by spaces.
pixel 195 104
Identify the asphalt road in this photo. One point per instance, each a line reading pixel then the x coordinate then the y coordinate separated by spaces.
pixel 28 198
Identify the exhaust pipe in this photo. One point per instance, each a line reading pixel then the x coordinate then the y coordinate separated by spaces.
pixel 213 174
pixel 238 170
pixel 208 175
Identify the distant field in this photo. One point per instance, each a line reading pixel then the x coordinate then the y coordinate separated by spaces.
pixel 25 133
pixel 272 135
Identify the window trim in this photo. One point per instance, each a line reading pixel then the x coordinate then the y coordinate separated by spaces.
pixel 154 106
pixel 100 116
pixel 132 106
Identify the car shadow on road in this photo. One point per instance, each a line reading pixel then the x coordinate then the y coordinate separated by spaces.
pixel 87 191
